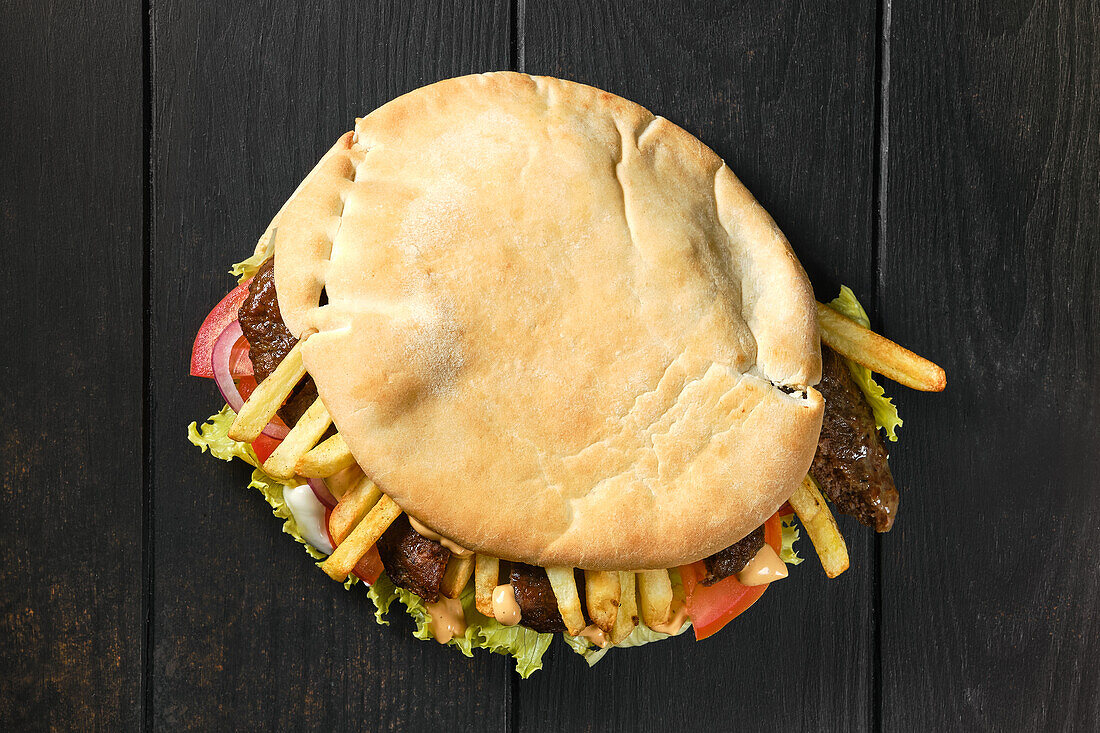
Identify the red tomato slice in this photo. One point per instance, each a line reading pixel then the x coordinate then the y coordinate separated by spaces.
pixel 369 567
pixel 216 320
pixel 264 446
pixel 240 364
pixel 712 607
pixel 246 385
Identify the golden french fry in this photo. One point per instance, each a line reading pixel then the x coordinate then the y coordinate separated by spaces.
pixel 486 579
pixel 361 539
pixel 602 593
pixel 569 600
pixel 818 521
pixel 628 608
pixel 352 508
pixel 459 570
pixel 303 436
pixel 654 596
pixel 344 481
pixel 328 458
pixel 268 397
pixel 878 353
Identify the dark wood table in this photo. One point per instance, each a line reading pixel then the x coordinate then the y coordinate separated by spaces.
pixel 941 161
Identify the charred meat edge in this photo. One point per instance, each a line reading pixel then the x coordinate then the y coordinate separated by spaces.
pixel 538 605
pixel 413 561
pixel 269 340
pixel 734 558
pixel 850 464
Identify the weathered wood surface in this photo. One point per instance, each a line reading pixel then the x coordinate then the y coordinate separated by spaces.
pixel 941 161
pixel 71 421
pixel 991 261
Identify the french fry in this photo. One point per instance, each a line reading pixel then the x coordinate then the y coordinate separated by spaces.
pixel 327 458
pixel 303 436
pixel 344 481
pixel 356 544
pixel 569 600
pixel 877 353
pixel 352 508
pixel 628 608
pixel 459 570
pixel 818 521
pixel 268 397
pixel 602 593
pixel 486 579
pixel 654 596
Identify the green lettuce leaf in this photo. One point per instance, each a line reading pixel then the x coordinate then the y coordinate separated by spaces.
pixel 524 645
pixel 247 268
pixel 383 593
pixel 213 436
pixel 787 553
pixel 886 414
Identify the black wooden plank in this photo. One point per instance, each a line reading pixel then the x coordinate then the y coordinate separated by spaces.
pixel 785 92
pixel 248 633
pixel 991 264
pixel 70 311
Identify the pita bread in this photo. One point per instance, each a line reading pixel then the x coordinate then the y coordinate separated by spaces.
pixel 558 329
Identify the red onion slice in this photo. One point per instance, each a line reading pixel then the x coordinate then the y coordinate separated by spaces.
pixel 320 490
pixel 220 362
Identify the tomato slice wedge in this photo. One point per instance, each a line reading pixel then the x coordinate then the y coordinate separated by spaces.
pixel 264 446
pixel 215 322
pixel 240 364
pixel 246 386
pixel 712 607
pixel 369 566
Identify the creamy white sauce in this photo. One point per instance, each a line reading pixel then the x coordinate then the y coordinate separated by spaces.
pixel 309 514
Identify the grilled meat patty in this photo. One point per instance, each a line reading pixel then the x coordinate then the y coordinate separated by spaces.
pixel 538 605
pixel 270 341
pixel 734 558
pixel 850 463
pixel 412 561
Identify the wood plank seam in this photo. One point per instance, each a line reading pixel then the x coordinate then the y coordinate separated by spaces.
pixel 878 240
pixel 148 533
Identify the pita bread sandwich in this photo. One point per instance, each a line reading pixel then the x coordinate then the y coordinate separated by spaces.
pixel 532 360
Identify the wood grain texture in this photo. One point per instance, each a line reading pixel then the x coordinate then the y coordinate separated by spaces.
pixel 71 406
pixel 246 98
pixel 988 261
pixel 784 92
pixel 991 264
